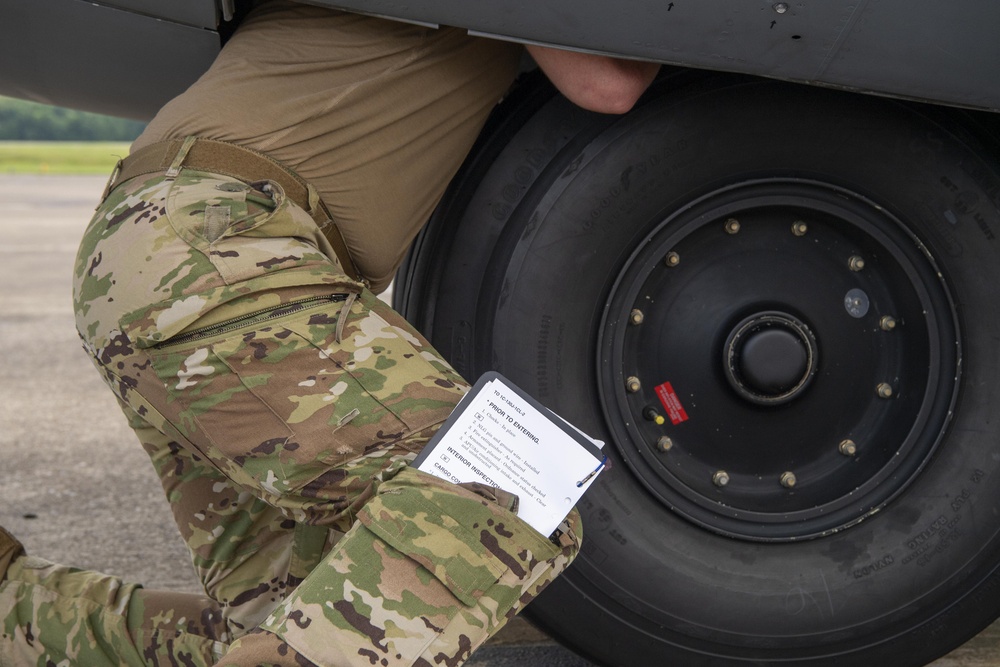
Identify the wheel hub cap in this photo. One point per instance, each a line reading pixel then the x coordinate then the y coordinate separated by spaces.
pixel 770 358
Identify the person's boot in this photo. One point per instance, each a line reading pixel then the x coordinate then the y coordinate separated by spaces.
pixel 10 549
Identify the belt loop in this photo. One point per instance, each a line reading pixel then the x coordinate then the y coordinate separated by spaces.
pixel 175 166
pixel 111 179
pixel 316 208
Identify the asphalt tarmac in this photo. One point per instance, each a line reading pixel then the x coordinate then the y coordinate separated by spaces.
pixel 74 485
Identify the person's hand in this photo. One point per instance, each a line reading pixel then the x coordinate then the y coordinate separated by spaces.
pixel 597 83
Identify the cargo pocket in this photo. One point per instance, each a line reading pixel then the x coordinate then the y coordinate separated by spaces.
pixel 280 406
pixel 427 574
pixel 256 399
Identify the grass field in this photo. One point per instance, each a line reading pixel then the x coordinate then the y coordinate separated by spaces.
pixel 57 157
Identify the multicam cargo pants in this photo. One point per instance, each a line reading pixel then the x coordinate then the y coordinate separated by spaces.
pixel 280 403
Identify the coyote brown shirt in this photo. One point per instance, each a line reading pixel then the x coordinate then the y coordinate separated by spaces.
pixel 377 115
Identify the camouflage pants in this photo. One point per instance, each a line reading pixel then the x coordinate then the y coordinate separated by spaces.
pixel 279 403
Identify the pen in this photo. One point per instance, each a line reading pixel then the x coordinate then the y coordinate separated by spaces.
pixel 595 471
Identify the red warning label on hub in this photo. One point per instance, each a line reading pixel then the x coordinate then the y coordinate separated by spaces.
pixel 672 404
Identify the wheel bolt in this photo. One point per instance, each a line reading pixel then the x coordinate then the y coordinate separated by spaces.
pixel 884 390
pixel 799 228
pixel 672 259
pixel 732 226
pixel 848 448
pixel 720 478
pixel 888 323
pixel 636 316
pixel 788 479
pixel 633 385
pixel 780 7
pixel 664 443
pixel 856 263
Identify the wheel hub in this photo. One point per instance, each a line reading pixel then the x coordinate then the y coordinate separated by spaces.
pixel 754 333
pixel 770 358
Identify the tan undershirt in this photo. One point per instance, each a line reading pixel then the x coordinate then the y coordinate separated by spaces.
pixel 377 115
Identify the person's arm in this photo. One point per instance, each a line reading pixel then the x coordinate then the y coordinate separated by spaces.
pixel 597 83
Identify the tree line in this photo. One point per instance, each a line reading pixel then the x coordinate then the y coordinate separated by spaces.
pixel 30 121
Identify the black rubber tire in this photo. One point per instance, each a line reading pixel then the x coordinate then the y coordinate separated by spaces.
pixel 524 261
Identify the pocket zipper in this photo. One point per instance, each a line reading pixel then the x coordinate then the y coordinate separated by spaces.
pixel 263 315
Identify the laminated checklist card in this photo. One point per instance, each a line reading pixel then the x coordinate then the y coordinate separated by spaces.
pixel 501 436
